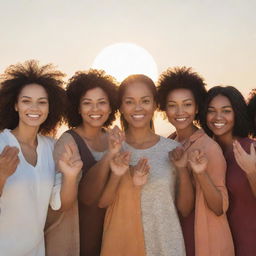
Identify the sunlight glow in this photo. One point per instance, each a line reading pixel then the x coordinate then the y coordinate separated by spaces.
pixel 123 59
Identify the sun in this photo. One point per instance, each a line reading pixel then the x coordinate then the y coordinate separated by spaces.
pixel 123 59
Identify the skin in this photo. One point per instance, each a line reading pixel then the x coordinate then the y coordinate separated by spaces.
pixel 33 108
pixel 181 109
pixel 221 120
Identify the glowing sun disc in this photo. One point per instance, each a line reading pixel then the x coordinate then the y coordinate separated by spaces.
pixel 123 59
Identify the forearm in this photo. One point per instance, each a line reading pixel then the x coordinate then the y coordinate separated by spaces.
pixel 68 192
pixel 212 195
pixel 252 180
pixel 185 198
pixel 2 182
pixel 93 183
pixel 109 192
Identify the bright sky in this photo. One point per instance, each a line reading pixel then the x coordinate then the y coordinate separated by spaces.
pixel 216 38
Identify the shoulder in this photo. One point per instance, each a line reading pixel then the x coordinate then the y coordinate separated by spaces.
pixel 210 144
pixel 5 138
pixel 65 138
pixel 167 143
pixel 47 141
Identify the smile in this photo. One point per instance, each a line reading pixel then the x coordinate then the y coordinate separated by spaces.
pixel 95 117
pixel 181 119
pixel 219 125
pixel 33 115
pixel 138 117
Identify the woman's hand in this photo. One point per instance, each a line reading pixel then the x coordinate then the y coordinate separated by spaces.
pixel 119 164
pixel 179 157
pixel 141 172
pixel 198 161
pixel 70 163
pixel 115 139
pixel 247 162
pixel 9 161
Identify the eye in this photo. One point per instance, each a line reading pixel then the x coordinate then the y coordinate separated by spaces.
pixel 25 101
pixel 170 106
pixel 85 102
pixel 103 102
pixel 43 102
pixel 188 104
pixel 227 111
pixel 128 102
pixel 146 101
pixel 210 110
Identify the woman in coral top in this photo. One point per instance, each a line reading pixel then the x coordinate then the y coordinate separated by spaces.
pixel 201 195
pixel 225 118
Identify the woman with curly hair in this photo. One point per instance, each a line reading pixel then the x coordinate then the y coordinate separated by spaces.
pixel 31 106
pixel 201 195
pixel 225 118
pixel 92 104
pixel 141 217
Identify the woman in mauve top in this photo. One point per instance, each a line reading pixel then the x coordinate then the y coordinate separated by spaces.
pixel 201 196
pixel 225 118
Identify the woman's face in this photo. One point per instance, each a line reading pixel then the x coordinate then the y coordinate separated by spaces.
pixel 94 107
pixel 32 105
pixel 181 108
pixel 220 116
pixel 138 105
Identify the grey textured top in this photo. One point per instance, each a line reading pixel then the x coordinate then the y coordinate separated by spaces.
pixel 162 231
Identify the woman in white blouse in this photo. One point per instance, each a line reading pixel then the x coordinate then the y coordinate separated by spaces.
pixel 31 106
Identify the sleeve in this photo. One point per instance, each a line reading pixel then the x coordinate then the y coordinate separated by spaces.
pixel 59 149
pixel 217 171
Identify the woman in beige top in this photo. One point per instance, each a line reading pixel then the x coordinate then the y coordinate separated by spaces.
pixel 201 195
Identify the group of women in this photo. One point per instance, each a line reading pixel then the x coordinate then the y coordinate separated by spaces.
pixel 124 191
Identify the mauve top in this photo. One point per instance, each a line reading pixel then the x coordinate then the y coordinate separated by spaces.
pixel 242 205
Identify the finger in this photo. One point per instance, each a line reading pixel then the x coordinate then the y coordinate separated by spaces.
pixel 252 150
pixel 68 149
pixel 238 147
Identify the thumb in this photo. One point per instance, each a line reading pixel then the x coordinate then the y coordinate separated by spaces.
pixel 252 149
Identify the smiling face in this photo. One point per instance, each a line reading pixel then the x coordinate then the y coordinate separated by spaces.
pixel 220 116
pixel 138 105
pixel 181 108
pixel 32 105
pixel 94 107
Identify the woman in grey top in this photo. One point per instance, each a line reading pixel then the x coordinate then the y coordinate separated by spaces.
pixel 162 232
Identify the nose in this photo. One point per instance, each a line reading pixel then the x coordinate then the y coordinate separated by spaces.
pixel 138 107
pixel 34 105
pixel 179 110
pixel 95 106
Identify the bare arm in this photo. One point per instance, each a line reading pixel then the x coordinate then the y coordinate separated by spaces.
pixel 119 166
pixel 198 162
pixel 8 163
pixel 247 163
pixel 185 198
pixel 92 184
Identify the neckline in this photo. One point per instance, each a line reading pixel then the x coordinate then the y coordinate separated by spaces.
pixel 20 151
pixel 159 140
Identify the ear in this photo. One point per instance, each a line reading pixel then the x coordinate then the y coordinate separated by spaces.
pixel 15 107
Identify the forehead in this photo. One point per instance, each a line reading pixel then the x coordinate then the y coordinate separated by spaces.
pixel 95 93
pixel 137 90
pixel 219 101
pixel 180 94
pixel 33 90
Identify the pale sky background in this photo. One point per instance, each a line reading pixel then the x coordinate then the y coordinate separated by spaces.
pixel 216 38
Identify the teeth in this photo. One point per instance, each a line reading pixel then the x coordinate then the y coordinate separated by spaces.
pixel 219 125
pixel 181 119
pixel 95 116
pixel 138 116
pixel 33 115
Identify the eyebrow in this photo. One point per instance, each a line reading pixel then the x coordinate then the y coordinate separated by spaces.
pixel 182 101
pixel 84 98
pixel 27 97
pixel 228 106
pixel 129 97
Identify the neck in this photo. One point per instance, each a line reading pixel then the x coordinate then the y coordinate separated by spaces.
pixel 26 135
pixel 90 133
pixel 139 135
pixel 225 141
pixel 185 133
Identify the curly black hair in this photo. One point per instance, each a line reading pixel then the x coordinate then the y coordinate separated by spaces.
pixel 16 77
pixel 136 78
pixel 181 78
pixel 83 81
pixel 241 123
pixel 251 106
